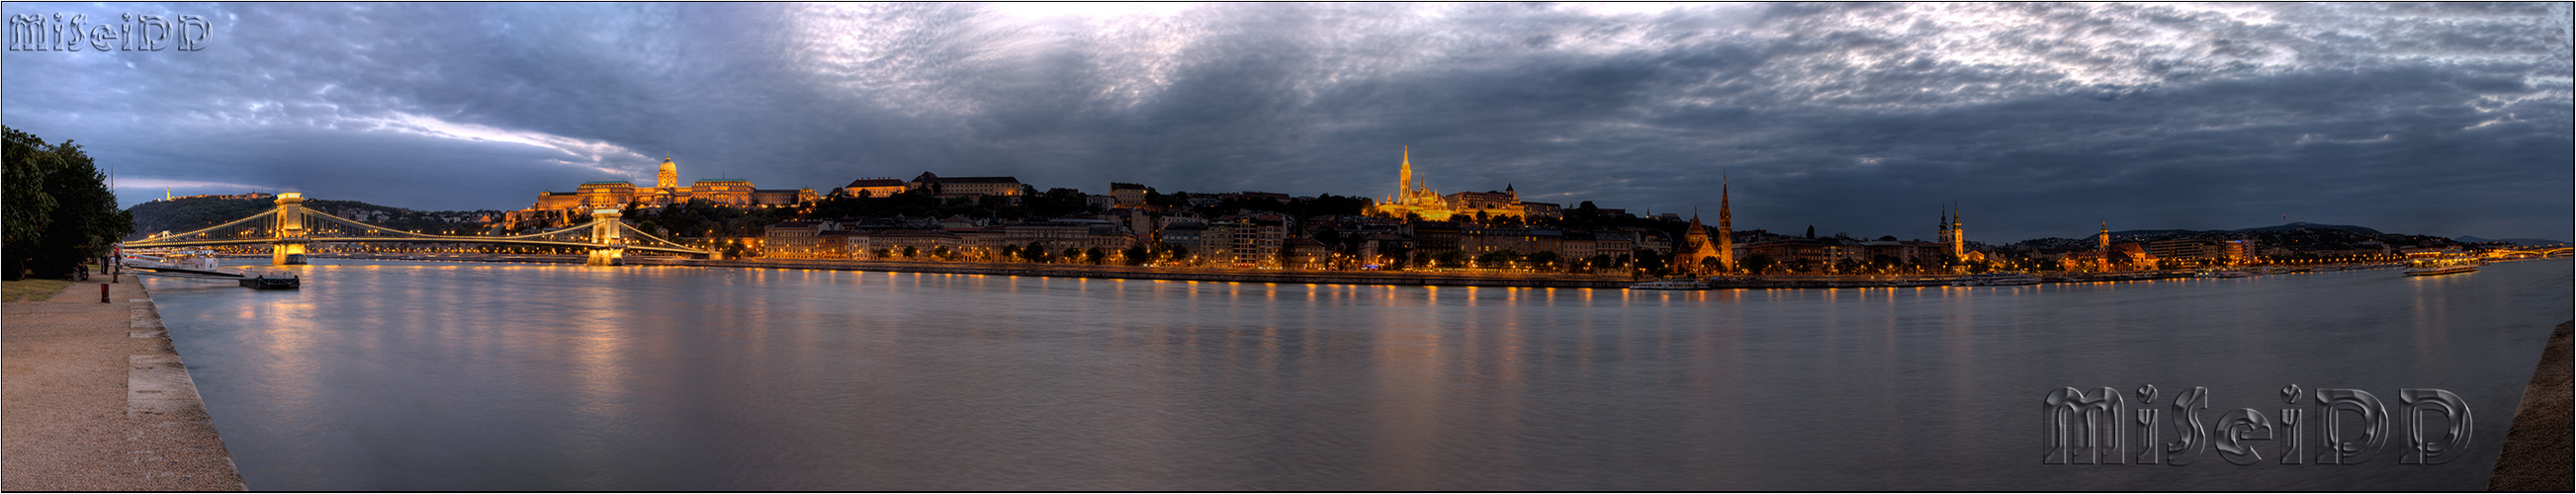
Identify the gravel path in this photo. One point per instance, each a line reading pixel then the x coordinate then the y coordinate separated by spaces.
pixel 2540 448
pixel 65 368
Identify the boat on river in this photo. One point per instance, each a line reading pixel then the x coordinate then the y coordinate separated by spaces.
pixel 1672 284
pixel 1996 279
pixel 2443 265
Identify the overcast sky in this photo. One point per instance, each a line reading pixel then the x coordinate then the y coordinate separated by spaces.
pixel 2040 120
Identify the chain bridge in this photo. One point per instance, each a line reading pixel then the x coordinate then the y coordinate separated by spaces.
pixel 290 229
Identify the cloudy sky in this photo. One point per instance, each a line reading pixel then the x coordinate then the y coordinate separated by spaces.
pixel 2040 120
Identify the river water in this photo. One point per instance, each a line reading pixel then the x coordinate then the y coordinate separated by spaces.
pixel 467 376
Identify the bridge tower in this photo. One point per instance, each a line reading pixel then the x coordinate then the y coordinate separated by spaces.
pixel 604 228
pixel 288 250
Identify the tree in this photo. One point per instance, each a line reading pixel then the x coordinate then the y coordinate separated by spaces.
pixel 909 251
pixel 1757 263
pixel 1449 258
pixel 69 214
pixel 1545 259
pixel 1094 255
pixel 1811 231
pixel 1651 262
pixel 29 208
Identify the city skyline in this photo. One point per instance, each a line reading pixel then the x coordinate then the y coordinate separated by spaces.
pixel 2040 119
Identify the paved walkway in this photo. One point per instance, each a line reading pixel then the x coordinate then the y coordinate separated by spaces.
pixel 2540 448
pixel 92 398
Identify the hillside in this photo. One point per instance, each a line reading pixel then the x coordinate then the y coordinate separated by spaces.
pixel 185 214
pixel 2298 236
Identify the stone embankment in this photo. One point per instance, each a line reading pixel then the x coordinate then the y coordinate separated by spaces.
pixel 2540 447
pixel 1411 278
pixel 93 397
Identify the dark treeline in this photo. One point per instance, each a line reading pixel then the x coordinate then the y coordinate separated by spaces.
pixel 58 207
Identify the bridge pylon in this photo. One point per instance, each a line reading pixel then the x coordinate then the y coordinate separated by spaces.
pixel 604 229
pixel 288 249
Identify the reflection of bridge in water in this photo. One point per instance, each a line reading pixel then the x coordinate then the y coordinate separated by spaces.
pixel 290 229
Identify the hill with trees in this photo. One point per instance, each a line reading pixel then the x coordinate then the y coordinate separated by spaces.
pixel 191 213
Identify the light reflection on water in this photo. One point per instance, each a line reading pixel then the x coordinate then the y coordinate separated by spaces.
pixel 444 376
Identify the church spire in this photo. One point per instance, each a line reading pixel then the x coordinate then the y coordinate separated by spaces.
pixel 1404 179
pixel 1725 230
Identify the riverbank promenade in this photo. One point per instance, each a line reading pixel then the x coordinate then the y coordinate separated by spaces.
pixel 93 397
pixel 2537 448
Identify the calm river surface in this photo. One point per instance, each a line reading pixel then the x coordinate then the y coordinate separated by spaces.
pixel 465 376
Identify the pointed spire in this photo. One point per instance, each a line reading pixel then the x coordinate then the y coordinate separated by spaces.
pixel 1404 179
pixel 1723 214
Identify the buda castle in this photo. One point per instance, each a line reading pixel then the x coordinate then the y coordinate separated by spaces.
pixel 666 190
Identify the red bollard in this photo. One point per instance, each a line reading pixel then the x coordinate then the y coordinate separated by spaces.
pixel 102 293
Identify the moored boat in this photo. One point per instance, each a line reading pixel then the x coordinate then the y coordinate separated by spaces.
pixel 1672 284
pixel 2442 265
pixel 263 282
pixel 1996 279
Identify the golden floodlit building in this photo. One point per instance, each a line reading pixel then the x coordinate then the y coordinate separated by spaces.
pixel 1414 197
pixel 666 190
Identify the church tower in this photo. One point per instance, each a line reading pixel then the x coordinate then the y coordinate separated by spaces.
pixel 1959 232
pixel 2104 263
pixel 1725 230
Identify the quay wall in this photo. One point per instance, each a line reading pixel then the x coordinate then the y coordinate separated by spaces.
pixel 1400 278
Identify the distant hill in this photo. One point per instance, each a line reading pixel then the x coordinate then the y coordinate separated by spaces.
pixel 185 214
pixel 2306 225
pixel 2296 235
pixel 2527 242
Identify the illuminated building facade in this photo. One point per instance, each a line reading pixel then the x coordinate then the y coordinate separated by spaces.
pixel 1695 250
pixel 1413 197
pixel 666 191
pixel 967 186
pixel 874 187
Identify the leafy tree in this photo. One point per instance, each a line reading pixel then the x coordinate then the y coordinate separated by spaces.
pixel 1094 255
pixel 69 214
pixel 1545 259
pixel 1138 255
pixel 1758 263
pixel 29 208
pixel 1449 258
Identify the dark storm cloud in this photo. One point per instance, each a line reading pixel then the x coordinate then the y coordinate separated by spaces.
pixel 2041 120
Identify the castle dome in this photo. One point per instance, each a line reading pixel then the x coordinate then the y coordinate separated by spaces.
pixel 669 176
